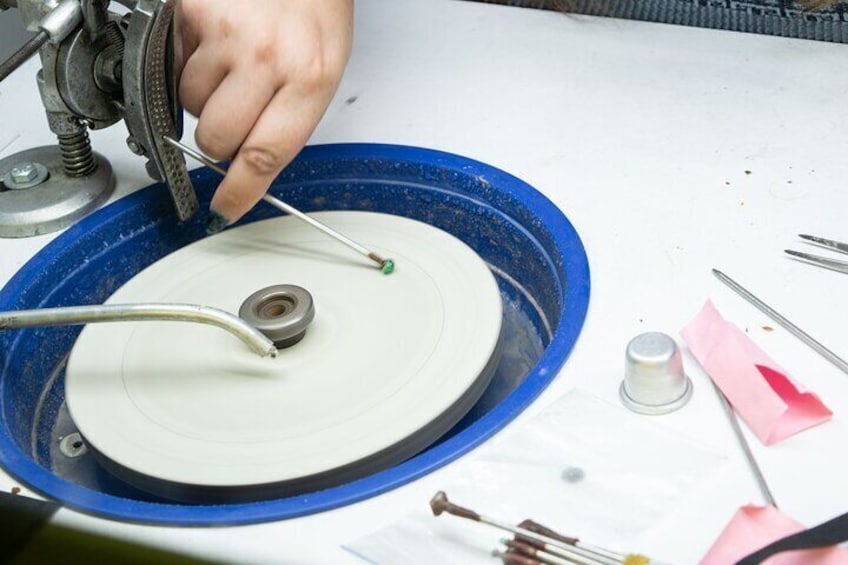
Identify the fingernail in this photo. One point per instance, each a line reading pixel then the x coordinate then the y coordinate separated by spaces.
pixel 215 223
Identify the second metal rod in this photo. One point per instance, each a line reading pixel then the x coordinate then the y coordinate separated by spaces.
pixel 790 327
pixel 746 448
pixel 23 54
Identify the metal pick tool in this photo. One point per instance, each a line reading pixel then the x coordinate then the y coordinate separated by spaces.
pixel 526 550
pixel 573 552
pixel 386 265
pixel 832 264
pixel 510 558
pixel 792 328
pixel 746 448
pixel 728 409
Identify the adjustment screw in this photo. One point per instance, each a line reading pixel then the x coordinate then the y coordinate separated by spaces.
pixel 24 173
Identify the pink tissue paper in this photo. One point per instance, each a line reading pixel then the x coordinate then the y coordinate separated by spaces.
pixel 768 400
pixel 754 527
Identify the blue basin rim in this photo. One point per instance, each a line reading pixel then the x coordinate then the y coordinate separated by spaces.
pixel 563 241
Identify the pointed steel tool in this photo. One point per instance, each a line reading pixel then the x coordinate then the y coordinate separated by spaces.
pixel 577 552
pixel 792 328
pixel 832 264
pixel 746 448
pixel 386 265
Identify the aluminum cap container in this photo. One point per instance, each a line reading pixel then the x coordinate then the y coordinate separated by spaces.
pixel 654 381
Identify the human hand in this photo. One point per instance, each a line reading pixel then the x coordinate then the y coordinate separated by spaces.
pixel 259 75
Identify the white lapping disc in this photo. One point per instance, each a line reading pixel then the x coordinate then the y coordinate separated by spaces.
pixel 384 358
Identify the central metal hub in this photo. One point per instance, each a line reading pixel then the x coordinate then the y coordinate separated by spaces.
pixel 281 312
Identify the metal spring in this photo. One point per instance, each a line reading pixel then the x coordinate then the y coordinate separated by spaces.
pixel 115 38
pixel 77 156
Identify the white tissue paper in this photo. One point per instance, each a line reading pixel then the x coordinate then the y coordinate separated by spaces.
pixel 583 467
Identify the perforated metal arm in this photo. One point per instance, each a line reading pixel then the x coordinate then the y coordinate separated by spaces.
pixel 151 109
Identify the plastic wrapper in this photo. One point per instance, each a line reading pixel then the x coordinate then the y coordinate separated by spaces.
pixel 583 467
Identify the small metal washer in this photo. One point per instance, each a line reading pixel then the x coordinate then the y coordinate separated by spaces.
pixel 72 445
pixel 281 312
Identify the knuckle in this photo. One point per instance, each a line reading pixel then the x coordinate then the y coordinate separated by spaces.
pixel 228 25
pixel 319 62
pixel 191 10
pixel 213 143
pixel 190 102
pixel 317 70
pixel 262 161
pixel 190 95
pixel 266 52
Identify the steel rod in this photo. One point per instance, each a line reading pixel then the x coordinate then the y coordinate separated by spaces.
pixel 78 315
pixel 826 243
pixel 440 504
pixel 510 558
pixel 824 262
pixel 535 553
pixel 545 531
pixel 23 54
pixel 386 264
pixel 790 327
pixel 746 448
pixel 572 552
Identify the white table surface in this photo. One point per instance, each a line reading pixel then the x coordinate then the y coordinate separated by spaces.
pixel 641 134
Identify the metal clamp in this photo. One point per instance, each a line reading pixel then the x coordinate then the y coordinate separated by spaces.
pixel 98 67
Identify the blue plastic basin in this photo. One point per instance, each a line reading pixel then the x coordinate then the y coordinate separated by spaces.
pixel 531 246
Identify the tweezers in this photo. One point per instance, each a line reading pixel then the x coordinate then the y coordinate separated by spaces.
pixel 833 264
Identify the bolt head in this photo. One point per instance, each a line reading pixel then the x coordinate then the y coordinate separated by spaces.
pixel 23 173
pixel 439 503
pixel 134 146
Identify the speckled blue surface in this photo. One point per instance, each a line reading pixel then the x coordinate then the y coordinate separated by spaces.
pixel 511 225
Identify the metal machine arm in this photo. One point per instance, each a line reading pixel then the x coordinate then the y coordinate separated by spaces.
pixel 98 67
